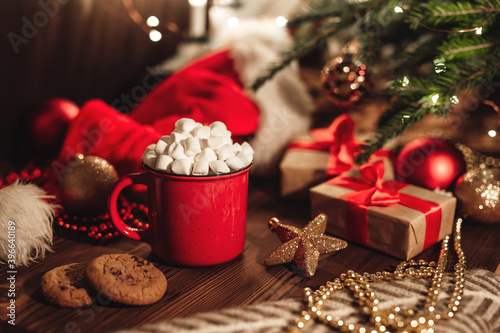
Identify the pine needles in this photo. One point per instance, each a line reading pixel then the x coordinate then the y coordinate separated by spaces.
pixel 460 39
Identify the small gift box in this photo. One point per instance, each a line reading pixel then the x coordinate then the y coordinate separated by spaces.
pixel 321 155
pixel 393 217
pixel 314 158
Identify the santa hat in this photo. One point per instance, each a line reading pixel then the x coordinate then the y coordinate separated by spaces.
pixel 283 101
pixel 214 87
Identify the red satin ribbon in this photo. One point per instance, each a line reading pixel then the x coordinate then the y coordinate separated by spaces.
pixel 338 139
pixel 372 191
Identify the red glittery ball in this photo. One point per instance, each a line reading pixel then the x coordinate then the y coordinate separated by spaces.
pixel 345 80
pixel 430 163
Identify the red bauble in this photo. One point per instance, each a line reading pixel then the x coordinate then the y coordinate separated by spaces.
pixel 49 123
pixel 345 78
pixel 430 163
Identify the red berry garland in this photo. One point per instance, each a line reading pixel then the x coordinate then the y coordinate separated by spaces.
pixel 99 227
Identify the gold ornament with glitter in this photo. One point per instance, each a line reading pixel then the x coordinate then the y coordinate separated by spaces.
pixel 303 245
pixel 478 193
pixel 86 184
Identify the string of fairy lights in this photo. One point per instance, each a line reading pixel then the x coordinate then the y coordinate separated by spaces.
pixel 440 65
pixel 219 14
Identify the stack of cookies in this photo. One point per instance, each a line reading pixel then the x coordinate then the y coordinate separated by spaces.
pixel 121 278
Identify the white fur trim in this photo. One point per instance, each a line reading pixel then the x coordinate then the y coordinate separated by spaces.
pixel 283 101
pixel 31 228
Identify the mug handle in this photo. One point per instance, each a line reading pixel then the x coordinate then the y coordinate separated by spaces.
pixel 134 178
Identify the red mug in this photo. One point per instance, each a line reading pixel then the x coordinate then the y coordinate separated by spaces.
pixel 193 220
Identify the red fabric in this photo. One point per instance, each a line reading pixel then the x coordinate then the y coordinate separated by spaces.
pixel 372 191
pixel 102 131
pixel 206 90
pixel 338 139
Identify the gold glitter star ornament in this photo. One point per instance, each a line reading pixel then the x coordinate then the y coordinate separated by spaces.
pixel 303 245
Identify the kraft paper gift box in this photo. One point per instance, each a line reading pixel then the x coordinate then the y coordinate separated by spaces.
pixel 318 156
pixel 396 218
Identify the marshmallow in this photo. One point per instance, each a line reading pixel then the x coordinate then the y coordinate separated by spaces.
pixel 218 167
pixel 206 155
pixel 184 125
pixel 149 159
pixel 181 167
pixel 160 147
pixel 246 157
pixel 227 141
pixel 176 151
pixel 234 163
pixel 198 150
pixel 178 137
pixel 215 142
pixel 236 148
pixel 196 125
pixel 225 152
pixel 203 143
pixel 246 147
pixel 200 168
pixel 191 146
pixel 218 128
pixel 149 148
pixel 163 161
pixel 202 132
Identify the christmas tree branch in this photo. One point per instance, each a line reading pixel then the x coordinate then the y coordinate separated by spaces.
pixel 468 80
pixel 464 14
pixel 457 49
pixel 298 51
pixel 301 48
pixel 470 48
pixel 321 10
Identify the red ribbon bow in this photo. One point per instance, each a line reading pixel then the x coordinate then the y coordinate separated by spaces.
pixel 338 139
pixel 371 190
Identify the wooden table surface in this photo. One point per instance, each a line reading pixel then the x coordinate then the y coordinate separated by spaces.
pixel 244 280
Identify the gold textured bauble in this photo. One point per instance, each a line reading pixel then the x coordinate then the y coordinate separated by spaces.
pixel 86 184
pixel 478 194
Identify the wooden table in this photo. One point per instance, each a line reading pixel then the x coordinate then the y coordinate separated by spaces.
pixel 244 280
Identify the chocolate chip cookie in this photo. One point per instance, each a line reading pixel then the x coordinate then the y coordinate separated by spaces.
pixel 126 279
pixel 66 286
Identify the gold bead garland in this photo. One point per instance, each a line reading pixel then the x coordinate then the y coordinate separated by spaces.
pixel 395 319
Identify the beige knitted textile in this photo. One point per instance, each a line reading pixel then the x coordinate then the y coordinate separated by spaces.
pixel 479 309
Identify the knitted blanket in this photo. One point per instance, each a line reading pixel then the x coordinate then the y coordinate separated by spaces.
pixel 479 309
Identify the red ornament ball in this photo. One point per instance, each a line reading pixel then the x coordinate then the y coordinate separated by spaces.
pixel 49 123
pixel 430 163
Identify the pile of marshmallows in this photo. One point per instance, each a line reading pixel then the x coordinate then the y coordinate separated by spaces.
pixel 194 149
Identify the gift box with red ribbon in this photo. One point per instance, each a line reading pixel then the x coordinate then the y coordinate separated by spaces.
pixel 320 155
pixel 393 217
